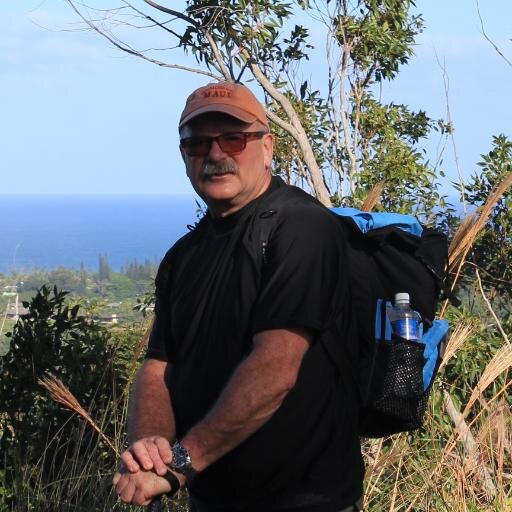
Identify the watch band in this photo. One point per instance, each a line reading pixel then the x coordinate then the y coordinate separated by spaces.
pixel 173 482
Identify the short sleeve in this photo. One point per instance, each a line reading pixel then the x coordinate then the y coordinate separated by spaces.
pixel 303 280
pixel 159 338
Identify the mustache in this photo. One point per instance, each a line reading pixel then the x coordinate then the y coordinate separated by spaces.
pixel 218 168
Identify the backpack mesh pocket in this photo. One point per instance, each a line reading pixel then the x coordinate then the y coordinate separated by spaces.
pixel 400 393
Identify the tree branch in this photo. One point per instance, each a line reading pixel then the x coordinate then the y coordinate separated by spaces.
pixel 135 53
pixel 470 446
pixel 153 20
pixel 218 57
pixel 221 67
pixel 344 118
pixel 335 138
pixel 488 38
pixel 298 133
pixel 178 14
pixel 287 127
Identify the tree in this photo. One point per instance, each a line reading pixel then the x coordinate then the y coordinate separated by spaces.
pixel 82 287
pixel 64 278
pixel 334 137
pixel 103 268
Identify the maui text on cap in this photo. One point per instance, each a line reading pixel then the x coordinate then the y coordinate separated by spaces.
pixel 231 98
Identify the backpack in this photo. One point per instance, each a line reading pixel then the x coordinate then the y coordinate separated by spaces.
pixel 387 253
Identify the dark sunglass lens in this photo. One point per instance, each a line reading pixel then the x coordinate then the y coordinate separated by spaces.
pixel 232 142
pixel 196 146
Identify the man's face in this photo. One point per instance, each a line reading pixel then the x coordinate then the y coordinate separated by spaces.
pixel 225 181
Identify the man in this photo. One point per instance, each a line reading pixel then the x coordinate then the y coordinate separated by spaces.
pixel 239 398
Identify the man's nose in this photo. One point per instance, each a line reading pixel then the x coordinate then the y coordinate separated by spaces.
pixel 216 152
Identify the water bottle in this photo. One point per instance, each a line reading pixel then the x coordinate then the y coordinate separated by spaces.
pixel 405 322
pixel 406 360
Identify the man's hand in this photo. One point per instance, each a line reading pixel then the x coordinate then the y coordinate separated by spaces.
pixel 150 454
pixel 139 488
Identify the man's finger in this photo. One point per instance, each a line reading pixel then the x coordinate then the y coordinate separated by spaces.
pixel 158 464
pixel 126 494
pixel 129 462
pixel 125 488
pixel 116 478
pixel 139 488
pixel 164 449
pixel 139 451
pixel 140 498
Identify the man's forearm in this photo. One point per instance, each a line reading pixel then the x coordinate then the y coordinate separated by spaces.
pixel 255 391
pixel 150 408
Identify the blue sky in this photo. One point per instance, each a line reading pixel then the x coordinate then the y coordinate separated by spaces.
pixel 78 116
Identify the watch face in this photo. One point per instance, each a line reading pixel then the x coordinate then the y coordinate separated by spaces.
pixel 180 457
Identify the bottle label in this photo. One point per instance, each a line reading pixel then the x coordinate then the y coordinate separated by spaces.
pixel 407 328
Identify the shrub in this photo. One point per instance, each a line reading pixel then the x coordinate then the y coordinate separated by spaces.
pixel 52 339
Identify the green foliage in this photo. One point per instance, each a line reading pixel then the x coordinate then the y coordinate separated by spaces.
pixel 313 112
pixel 122 286
pixel 52 339
pixel 146 304
pixel 389 134
pixel 464 370
pixel 492 252
pixel 233 25
pixel 379 34
pixel 357 140
pixel 34 281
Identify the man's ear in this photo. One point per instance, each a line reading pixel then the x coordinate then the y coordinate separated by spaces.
pixel 268 149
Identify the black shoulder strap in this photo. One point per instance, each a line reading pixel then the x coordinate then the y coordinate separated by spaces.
pixel 270 206
pixel 266 226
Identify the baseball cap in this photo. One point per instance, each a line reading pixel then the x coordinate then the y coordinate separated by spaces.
pixel 231 98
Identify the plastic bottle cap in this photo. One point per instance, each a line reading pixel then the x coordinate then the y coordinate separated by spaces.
pixel 402 298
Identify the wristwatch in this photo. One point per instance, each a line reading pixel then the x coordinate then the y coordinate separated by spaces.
pixel 181 462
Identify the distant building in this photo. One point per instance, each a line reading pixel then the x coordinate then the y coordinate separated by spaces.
pixel 13 311
pixel 10 291
pixel 110 318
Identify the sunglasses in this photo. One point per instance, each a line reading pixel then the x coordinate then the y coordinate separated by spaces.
pixel 230 143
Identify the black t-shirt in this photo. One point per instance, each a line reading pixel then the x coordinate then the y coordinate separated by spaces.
pixel 214 292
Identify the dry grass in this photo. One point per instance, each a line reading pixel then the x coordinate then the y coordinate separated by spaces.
pixel 469 229
pixel 373 197
pixel 61 394
pixel 459 335
pixel 144 339
pixel 501 362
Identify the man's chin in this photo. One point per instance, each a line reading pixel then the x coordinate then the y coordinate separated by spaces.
pixel 221 192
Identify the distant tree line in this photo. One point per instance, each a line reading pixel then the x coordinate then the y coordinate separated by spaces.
pixel 133 278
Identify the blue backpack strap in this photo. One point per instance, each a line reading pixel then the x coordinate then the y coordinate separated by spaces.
pixel 369 221
pixel 433 340
pixel 382 323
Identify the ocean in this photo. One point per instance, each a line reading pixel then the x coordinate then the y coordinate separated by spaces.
pixel 50 231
